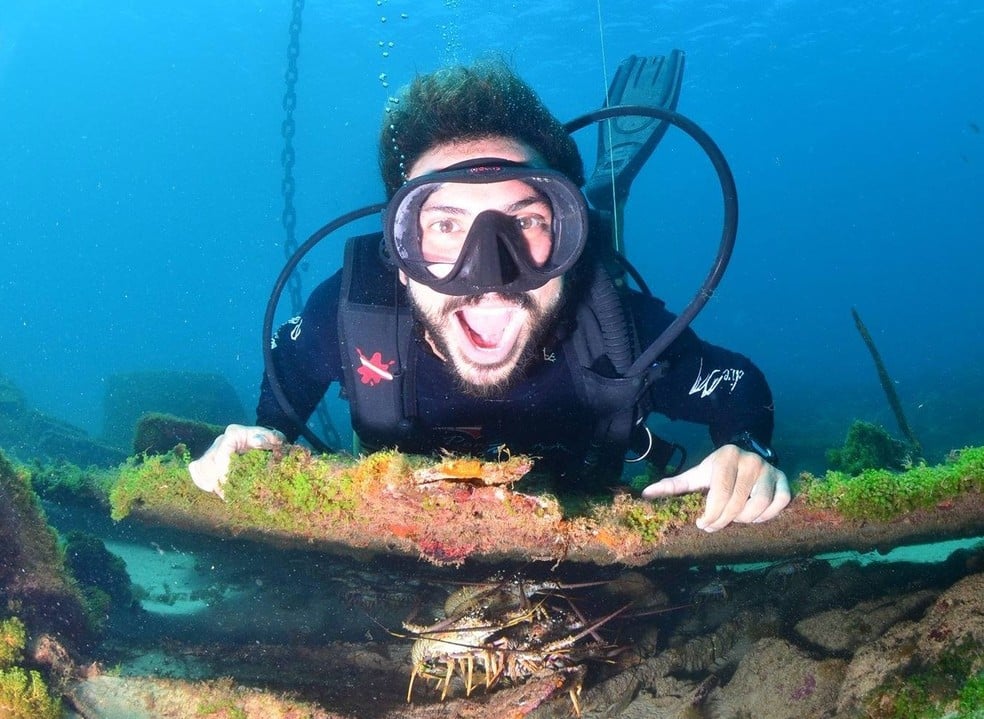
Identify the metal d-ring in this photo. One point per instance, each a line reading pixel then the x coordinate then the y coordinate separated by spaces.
pixel 649 448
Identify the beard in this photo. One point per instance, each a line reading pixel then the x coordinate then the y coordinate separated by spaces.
pixel 444 320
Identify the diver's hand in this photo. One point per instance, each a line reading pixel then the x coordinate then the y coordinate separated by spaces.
pixel 209 471
pixel 742 487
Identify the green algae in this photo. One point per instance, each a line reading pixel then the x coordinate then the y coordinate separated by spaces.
pixel 23 693
pixel 144 479
pixel 868 446
pixel 101 575
pixel 285 492
pixel 970 702
pixel 66 483
pixel 951 687
pixel 32 568
pixel 883 495
pixel 159 433
pixel 13 639
pixel 267 490
pixel 652 520
pixel 226 708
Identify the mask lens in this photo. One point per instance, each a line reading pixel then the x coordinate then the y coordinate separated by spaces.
pixel 486 229
pixel 447 222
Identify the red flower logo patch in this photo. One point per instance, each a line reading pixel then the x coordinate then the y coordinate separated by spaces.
pixel 374 370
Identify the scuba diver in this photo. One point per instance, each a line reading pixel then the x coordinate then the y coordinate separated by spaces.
pixel 489 314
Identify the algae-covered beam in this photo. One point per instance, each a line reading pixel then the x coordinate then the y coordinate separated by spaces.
pixel 463 509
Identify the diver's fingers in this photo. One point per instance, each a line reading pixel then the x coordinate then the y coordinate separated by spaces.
pixel 257 438
pixel 742 487
pixel 768 497
pixel 758 502
pixel 780 498
pixel 210 471
pixel 730 482
pixel 694 479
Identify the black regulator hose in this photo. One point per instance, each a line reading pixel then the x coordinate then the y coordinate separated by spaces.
pixel 729 229
pixel 269 367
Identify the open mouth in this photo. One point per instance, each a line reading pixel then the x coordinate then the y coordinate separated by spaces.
pixel 491 332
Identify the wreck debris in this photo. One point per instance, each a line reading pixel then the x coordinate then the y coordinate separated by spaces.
pixel 378 505
pixel 888 386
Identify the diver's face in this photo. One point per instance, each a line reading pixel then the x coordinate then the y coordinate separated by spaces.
pixel 487 338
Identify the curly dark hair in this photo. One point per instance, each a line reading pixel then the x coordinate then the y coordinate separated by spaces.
pixel 464 103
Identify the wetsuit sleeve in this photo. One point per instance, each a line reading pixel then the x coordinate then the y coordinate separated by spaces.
pixel 707 384
pixel 307 360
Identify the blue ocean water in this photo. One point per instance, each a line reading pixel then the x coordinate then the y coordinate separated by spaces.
pixel 140 176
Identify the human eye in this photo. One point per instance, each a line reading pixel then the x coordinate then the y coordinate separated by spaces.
pixel 444 226
pixel 538 233
pixel 532 222
pixel 442 236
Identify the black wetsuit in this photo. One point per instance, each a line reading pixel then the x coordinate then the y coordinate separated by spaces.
pixel 541 414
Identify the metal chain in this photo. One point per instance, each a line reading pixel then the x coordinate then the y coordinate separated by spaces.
pixel 287 158
pixel 289 216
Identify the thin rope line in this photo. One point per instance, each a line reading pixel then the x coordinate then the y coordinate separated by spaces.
pixel 604 67
pixel 604 59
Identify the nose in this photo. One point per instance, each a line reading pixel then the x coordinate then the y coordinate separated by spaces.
pixel 495 248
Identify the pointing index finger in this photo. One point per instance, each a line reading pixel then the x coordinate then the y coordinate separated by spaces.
pixel 690 481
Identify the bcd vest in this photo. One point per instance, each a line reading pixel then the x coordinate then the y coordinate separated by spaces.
pixel 376 337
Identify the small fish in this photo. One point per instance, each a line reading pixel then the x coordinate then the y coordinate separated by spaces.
pixel 974 127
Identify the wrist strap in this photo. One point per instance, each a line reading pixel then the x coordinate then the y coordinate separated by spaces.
pixel 747 442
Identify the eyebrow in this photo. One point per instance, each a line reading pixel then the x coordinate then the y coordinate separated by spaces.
pixel 446 209
pixel 534 199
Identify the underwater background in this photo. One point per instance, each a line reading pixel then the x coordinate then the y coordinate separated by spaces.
pixel 141 231
pixel 141 175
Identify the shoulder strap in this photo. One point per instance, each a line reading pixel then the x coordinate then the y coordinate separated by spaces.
pixel 603 350
pixel 605 347
pixel 375 328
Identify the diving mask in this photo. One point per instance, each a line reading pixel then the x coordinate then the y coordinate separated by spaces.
pixel 486 225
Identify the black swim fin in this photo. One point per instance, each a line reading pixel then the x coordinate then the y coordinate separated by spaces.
pixel 625 143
